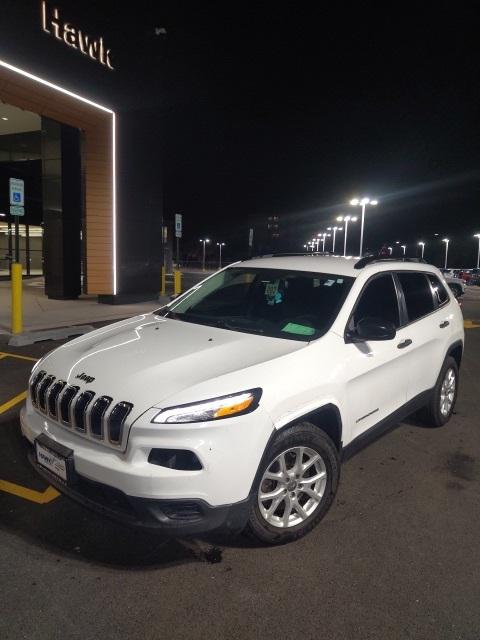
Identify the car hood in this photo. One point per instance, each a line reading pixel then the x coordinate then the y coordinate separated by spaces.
pixel 147 359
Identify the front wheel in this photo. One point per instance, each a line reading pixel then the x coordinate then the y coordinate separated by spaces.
pixel 297 485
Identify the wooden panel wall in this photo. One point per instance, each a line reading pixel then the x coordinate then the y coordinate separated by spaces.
pixel 31 95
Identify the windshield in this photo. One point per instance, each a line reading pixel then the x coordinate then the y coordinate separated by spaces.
pixel 295 305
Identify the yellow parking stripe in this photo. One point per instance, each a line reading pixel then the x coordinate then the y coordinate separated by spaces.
pixel 11 403
pixel 471 324
pixel 4 354
pixel 40 497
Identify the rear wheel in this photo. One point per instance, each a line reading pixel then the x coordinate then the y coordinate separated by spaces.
pixel 298 481
pixel 444 397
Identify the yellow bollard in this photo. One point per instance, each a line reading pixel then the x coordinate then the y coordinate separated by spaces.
pixel 163 290
pixel 177 282
pixel 17 310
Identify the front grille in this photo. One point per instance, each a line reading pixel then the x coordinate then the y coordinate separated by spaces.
pixel 53 394
pixel 34 385
pixel 65 402
pixel 42 391
pixel 80 408
pixel 94 417
pixel 97 413
pixel 116 419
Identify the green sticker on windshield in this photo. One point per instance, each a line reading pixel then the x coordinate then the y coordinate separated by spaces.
pixel 299 329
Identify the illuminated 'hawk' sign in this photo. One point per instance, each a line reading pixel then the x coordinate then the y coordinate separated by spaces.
pixel 75 38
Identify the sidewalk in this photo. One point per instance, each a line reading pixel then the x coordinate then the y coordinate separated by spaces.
pixel 41 313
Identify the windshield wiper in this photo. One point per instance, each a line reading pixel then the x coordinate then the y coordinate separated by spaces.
pixel 225 324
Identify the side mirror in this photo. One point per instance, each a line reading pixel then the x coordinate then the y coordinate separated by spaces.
pixel 368 329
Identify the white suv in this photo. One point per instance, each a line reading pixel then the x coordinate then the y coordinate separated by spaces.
pixel 233 406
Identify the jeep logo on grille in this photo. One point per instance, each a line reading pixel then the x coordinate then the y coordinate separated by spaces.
pixel 83 376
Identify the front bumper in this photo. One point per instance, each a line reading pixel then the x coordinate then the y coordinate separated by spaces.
pixel 126 487
pixel 171 517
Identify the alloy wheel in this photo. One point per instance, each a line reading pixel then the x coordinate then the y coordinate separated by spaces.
pixel 292 487
pixel 447 392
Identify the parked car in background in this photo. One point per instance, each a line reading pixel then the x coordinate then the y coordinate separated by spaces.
pixel 475 278
pixel 457 285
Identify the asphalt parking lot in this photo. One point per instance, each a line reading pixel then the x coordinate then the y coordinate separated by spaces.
pixel 397 556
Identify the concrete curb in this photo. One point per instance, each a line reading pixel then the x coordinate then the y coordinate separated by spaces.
pixel 22 339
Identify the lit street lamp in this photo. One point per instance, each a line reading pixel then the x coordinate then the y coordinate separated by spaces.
pixel 346 220
pixel 323 236
pixel 220 245
pixel 446 240
pixel 204 242
pixel 356 202
pixel 404 247
pixel 390 250
pixel 477 235
pixel 422 244
pixel 334 229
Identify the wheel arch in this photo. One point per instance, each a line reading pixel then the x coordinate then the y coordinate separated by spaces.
pixel 456 352
pixel 327 418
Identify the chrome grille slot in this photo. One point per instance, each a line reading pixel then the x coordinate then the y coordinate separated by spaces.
pixel 116 420
pixel 97 414
pixel 34 385
pixel 80 410
pixel 42 392
pixel 91 416
pixel 54 392
pixel 65 402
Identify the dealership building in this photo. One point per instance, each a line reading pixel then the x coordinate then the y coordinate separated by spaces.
pixel 80 124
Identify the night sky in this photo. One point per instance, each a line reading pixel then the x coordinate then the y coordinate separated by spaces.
pixel 281 109
pixel 292 112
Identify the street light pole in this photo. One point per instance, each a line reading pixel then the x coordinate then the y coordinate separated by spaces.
pixel 204 242
pixel 334 229
pixel 220 245
pixel 477 235
pixel 346 220
pixel 404 247
pixel 422 244
pixel 446 240
pixel 356 202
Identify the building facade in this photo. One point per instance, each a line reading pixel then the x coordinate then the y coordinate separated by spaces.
pixel 80 104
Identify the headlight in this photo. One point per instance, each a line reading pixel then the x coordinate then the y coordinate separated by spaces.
pixel 215 409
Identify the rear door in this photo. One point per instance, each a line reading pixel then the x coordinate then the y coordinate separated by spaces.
pixel 427 327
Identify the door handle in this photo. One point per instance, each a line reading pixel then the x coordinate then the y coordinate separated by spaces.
pixel 444 324
pixel 404 343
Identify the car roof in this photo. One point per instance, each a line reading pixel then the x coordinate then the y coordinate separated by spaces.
pixel 337 265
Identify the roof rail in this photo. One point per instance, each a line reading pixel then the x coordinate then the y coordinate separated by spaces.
pixel 370 259
pixel 288 255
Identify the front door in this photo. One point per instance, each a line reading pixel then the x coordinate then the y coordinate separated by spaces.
pixel 377 371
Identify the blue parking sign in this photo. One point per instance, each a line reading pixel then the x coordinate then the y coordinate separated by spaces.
pixel 17 192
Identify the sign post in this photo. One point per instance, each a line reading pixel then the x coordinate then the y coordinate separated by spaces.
pixel 178 235
pixel 17 208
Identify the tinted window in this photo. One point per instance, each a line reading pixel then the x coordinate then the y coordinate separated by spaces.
pixel 439 291
pixel 295 305
pixel 418 294
pixel 378 300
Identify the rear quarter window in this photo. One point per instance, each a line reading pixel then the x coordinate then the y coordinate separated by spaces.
pixel 439 291
pixel 418 294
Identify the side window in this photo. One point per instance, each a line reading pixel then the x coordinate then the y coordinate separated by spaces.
pixel 378 300
pixel 418 294
pixel 439 291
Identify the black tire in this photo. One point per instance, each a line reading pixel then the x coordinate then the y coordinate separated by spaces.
pixel 300 435
pixel 432 414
